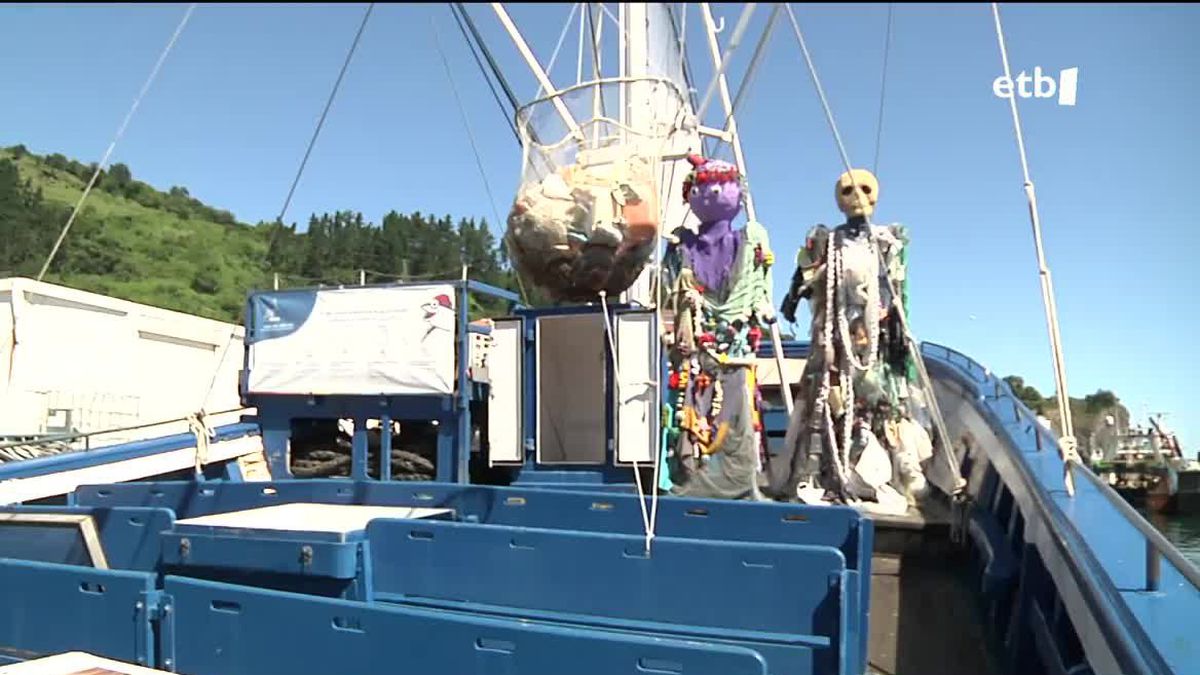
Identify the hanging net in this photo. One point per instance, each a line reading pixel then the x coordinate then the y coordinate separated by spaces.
pixel 586 217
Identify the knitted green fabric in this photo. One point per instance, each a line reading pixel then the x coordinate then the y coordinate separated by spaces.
pixel 750 290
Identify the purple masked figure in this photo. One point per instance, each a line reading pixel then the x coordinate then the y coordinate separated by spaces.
pixel 720 303
pixel 714 192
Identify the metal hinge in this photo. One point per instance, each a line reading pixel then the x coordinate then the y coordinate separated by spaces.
pixel 156 608
pixel 960 516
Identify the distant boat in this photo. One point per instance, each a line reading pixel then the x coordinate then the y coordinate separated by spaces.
pixel 1147 466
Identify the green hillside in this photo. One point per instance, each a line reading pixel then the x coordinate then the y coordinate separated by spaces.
pixel 170 250
pixel 1087 413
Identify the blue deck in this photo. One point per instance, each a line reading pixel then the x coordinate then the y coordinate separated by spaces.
pixel 474 577
pixel 524 579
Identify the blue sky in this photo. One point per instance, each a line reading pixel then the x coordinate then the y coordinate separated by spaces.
pixel 236 102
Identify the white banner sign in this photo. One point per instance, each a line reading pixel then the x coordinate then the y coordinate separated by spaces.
pixel 397 340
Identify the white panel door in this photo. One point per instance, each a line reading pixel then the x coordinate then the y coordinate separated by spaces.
pixel 505 404
pixel 572 386
pixel 636 400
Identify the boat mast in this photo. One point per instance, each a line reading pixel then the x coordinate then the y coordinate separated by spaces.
pixel 655 121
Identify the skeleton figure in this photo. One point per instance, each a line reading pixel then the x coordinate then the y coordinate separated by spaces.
pixel 851 430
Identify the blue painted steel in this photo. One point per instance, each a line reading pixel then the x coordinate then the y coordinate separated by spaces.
pixel 452 413
pixel 841 527
pixel 751 597
pixel 358 450
pixel 514 300
pixel 1084 544
pixel 44 542
pixel 385 448
pixel 232 630
pixel 129 536
pixel 304 557
pixel 276 412
pixel 48 608
pixel 531 470
pixel 1089 556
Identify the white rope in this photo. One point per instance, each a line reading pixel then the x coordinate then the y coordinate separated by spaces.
pixel 822 408
pixel 682 33
pixel 112 145
pixel 212 383
pixel 203 433
pixel 1067 442
pixel 637 474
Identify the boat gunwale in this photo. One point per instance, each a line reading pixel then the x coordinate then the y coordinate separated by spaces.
pixel 1124 633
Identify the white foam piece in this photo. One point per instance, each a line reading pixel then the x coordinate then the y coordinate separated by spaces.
pixel 307 517
pixel 75 663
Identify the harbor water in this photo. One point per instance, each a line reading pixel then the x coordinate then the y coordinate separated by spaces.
pixel 1182 530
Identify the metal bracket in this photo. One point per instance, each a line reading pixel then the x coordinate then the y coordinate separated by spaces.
pixel 960 514
pixel 156 607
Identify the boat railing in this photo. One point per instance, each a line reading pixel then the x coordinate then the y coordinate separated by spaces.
pixel 86 437
pixel 1125 634
pixel 1157 545
pixel 971 366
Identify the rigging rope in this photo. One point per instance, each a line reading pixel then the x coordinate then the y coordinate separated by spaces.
pixel 558 47
pixel 487 54
pixel 680 32
pixel 596 37
pixel 637 473
pixel 324 113
pixel 812 71
pixel 1067 443
pixel 120 132
pixel 462 111
pixel 506 114
pixel 898 305
pixel 887 48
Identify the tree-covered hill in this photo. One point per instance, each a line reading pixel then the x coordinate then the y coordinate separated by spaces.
pixel 1087 413
pixel 170 250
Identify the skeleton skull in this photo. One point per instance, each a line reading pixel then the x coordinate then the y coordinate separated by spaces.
pixel 856 192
